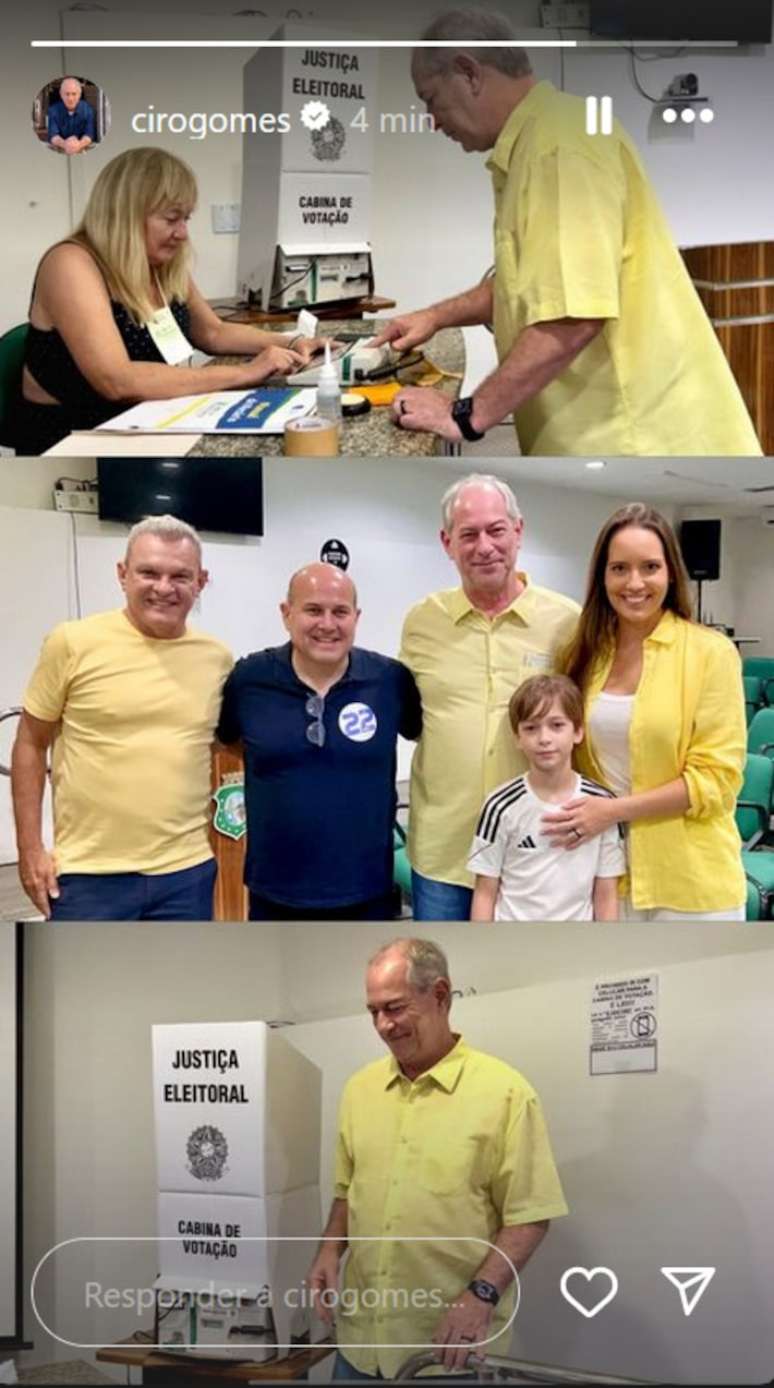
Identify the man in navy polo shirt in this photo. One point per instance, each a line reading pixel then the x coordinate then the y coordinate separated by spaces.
pixel 318 719
pixel 71 124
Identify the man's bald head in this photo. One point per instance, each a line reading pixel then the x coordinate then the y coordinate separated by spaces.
pixel 70 92
pixel 318 577
pixel 320 614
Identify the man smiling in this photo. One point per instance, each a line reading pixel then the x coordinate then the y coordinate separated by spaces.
pixel 442 1150
pixel 468 649
pixel 318 719
pixel 129 700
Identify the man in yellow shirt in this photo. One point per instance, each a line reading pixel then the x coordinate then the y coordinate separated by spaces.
pixel 603 344
pixel 129 699
pixel 445 1183
pixel 468 649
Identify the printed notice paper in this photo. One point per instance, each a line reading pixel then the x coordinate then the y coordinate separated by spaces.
pixel 624 1025
pixel 265 410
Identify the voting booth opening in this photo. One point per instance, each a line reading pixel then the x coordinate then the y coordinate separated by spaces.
pixel 237 1121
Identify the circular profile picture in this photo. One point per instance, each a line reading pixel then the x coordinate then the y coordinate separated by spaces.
pixel 71 114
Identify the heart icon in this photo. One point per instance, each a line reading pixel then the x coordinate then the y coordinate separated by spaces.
pixel 589 1274
pixel 315 115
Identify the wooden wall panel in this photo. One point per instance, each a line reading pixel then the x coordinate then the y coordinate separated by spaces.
pixel 736 286
pixel 230 893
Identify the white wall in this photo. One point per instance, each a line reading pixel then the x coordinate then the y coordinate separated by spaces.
pixel 741 596
pixel 432 204
pixel 658 1169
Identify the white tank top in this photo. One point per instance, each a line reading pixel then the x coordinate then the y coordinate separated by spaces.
pixel 608 730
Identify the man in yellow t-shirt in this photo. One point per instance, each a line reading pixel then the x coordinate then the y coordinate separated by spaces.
pixel 445 1184
pixel 603 344
pixel 468 649
pixel 129 699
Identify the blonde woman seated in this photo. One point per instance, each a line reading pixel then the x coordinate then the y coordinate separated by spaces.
pixel 115 311
pixel 665 727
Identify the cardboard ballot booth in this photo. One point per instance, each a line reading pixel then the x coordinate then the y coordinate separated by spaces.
pixel 237 1121
pixel 306 183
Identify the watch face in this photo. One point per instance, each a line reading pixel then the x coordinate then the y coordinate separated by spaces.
pixel 485 1291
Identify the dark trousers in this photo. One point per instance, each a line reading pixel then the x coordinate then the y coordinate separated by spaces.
pixel 379 908
pixel 136 896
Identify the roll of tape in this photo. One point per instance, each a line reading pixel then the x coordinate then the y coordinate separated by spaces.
pixel 353 404
pixel 311 437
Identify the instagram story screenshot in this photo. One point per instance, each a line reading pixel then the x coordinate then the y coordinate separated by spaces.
pixel 387 692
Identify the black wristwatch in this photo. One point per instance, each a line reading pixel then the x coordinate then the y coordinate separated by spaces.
pixel 461 412
pixel 484 1291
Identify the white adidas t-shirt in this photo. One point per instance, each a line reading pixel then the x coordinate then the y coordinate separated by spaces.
pixel 540 881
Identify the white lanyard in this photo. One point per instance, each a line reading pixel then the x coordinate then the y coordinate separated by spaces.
pixel 165 331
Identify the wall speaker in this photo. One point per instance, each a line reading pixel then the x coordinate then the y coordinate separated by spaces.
pixel 700 543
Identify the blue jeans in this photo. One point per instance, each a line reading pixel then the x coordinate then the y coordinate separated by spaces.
pixel 439 901
pixel 346 1372
pixel 136 896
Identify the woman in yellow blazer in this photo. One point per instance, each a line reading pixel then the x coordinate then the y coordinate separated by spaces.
pixel 665 727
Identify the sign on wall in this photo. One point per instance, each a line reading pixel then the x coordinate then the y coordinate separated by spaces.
pixel 624 1026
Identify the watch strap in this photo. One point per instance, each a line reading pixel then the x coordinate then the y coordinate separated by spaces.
pixel 462 410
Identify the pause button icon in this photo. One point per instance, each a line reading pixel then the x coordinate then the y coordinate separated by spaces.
pixel 599 115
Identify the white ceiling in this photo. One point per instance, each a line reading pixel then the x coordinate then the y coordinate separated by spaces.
pixel 724 483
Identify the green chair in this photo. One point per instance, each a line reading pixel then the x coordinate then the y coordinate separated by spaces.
pixel 753 808
pixel 760 734
pixel 755 904
pixel 759 871
pixel 12 345
pixel 762 666
pixel 753 817
pixel 753 696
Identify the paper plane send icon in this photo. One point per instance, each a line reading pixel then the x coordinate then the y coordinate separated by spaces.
pixel 691 1283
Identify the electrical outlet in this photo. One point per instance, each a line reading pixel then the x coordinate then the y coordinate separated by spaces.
pixel 76 501
pixel 225 217
pixel 559 16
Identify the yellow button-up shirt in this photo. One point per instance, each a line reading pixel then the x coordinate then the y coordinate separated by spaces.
pixel 467 666
pixel 431 1170
pixel 687 720
pixel 579 233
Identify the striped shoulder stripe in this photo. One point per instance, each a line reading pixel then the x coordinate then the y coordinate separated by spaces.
pixel 496 805
pixel 593 788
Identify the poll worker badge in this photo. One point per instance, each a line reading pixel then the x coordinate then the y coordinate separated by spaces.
pixel 230 817
pixel 207 1153
pixel 169 338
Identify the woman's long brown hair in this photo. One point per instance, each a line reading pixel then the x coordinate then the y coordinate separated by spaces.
pixel 597 623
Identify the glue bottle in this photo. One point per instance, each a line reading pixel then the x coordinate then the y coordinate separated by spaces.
pixel 329 389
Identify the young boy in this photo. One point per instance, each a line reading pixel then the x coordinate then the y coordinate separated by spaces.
pixel 520 874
